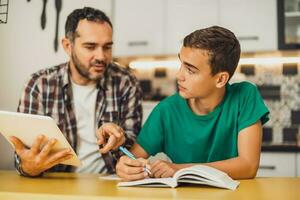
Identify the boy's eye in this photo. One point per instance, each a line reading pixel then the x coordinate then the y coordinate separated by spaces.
pixel 190 71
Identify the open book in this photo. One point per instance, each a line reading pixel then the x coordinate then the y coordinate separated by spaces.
pixel 198 174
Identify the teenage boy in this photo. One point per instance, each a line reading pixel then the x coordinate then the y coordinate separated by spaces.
pixel 208 121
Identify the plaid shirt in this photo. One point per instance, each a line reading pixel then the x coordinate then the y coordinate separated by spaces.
pixel 48 92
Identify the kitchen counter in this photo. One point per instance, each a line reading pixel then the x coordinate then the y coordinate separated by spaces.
pixel 281 148
pixel 88 186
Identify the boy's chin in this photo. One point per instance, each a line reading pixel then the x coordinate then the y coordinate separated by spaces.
pixel 184 95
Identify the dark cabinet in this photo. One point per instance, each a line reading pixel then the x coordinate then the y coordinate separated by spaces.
pixel 288 24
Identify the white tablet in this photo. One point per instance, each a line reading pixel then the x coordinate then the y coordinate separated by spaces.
pixel 27 127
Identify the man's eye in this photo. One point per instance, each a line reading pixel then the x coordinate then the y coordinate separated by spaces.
pixel 90 47
pixel 107 47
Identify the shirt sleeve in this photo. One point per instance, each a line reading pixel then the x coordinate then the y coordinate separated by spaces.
pixel 152 133
pixel 30 100
pixel 252 107
pixel 132 112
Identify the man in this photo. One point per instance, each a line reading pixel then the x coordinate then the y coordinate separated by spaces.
pixel 93 100
pixel 208 121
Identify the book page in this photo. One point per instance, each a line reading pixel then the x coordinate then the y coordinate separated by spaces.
pixel 151 182
pixel 201 174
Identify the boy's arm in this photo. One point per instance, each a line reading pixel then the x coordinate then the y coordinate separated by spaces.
pixel 245 165
pixel 138 151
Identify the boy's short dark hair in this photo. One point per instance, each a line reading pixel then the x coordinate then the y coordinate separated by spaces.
pixel 223 48
pixel 91 14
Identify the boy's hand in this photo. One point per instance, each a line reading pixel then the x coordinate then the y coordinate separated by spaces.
pixel 163 169
pixel 114 135
pixel 130 170
pixel 39 158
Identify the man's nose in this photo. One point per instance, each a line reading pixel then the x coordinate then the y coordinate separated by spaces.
pixel 99 54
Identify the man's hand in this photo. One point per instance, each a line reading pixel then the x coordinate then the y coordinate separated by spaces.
pixel 114 135
pixel 130 170
pixel 38 158
pixel 163 169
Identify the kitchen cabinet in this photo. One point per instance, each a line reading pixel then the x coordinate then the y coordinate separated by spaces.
pixel 277 164
pixel 158 27
pixel 183 17
pixel 254 22
pixel 138 27
pixel 288 24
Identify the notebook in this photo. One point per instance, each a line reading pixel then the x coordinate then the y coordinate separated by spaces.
pixel 27 127
pixel 198 174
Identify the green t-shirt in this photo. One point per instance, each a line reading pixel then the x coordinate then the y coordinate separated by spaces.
pixel 173 128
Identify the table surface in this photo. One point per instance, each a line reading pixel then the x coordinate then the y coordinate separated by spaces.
pixel 90 186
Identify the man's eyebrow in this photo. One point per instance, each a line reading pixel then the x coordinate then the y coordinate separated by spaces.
pixel 94 43
pixel 89 43
pixel 188 64
pixel 109 44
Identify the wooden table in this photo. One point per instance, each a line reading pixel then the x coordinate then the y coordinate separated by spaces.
pixel 88 186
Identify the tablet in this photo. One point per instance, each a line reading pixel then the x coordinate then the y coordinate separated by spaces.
pixel 27 127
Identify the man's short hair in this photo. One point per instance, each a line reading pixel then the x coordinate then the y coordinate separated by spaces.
pixel 223 48
pixel 88 13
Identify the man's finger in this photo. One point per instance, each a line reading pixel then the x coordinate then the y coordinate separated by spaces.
pixel 47 148
pixel 57 156
pixel 116 130
pixel 59 160
pixel 122 141
pixel 112 140
pixel 100 135
pixel 18 144
pixel 35 149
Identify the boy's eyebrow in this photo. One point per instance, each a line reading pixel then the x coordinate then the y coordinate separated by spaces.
pixel 188 64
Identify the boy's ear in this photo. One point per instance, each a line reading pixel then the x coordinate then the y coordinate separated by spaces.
pixel 67 45
pixel 222 79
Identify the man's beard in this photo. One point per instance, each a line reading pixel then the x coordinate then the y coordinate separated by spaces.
pixel 83 71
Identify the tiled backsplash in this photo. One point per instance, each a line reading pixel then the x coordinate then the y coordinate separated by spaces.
pixel 279 85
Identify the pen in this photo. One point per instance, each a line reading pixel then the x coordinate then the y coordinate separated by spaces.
pixel 130 155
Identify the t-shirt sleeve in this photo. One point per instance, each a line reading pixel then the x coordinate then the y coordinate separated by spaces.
pixel 252 107
pixel 151 135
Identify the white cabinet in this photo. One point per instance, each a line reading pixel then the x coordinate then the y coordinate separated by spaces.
pixel 157 27
pixel 253 21
pixel 183 17
pixel 277 165
pixel 138 27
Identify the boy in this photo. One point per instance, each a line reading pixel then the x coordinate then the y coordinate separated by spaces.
pixel 208 121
